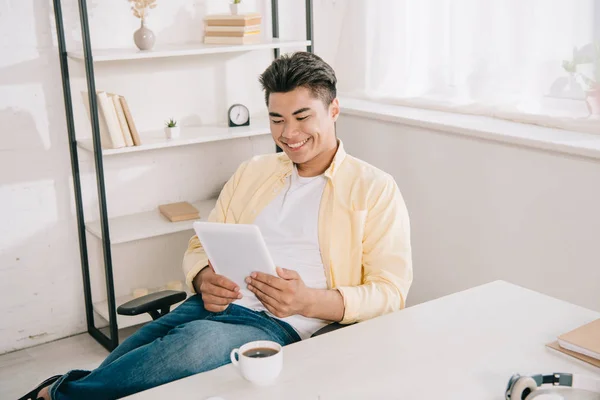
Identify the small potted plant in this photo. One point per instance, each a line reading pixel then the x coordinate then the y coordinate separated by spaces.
pixel 171 129
pixel 588 58
pixel 235 7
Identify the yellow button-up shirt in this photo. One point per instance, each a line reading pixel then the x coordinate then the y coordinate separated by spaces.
pixel 364 229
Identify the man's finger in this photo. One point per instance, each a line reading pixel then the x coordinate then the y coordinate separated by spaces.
pixel 287 273
pixel 273 281
pixel 221 292
pixel 210 299
pixel 263 297
pixel 266 289
pixel 220 280
pixel 214 308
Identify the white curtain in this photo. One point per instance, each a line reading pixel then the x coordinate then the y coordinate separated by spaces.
pixel 502 58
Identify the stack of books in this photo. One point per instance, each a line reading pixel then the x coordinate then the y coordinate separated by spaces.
pixel 232 29
pixel 117 127
pixel 582 343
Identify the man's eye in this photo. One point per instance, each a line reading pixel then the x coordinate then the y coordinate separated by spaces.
pixel 278 121
pixel 302 118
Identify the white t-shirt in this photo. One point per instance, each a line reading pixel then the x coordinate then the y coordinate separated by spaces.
pixel 290 226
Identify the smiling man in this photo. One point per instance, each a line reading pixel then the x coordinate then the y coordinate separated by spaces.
pixel 336 227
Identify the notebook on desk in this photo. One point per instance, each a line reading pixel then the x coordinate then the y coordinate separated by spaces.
pixel 582 343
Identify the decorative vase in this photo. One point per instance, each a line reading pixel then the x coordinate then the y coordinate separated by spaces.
pixel 172 132
pixel 235 8
pixel 592 100
pixel 144 38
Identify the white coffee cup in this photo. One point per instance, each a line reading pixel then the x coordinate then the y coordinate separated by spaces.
pixel 260 369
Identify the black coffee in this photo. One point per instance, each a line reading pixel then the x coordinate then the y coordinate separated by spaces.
pixel 260 352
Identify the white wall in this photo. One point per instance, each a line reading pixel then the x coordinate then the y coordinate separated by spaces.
pixel 482 211
pixel 40 276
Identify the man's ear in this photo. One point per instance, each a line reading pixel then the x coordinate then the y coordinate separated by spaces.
pixel 334 109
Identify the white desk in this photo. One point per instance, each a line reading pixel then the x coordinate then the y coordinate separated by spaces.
pixel 463 346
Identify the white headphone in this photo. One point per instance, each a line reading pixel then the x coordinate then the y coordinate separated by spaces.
pixel 520 387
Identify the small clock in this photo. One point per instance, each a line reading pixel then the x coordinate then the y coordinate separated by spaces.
pixel 238 115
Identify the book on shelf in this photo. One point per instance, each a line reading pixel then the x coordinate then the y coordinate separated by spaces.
pixel 130 122
pixel 232 29
pixel 180 211
pixel 122 119
pixel 108 113
pixel 245 19
pixel 232 40
pixel 232 33
pixel 212 30
pixel 115 120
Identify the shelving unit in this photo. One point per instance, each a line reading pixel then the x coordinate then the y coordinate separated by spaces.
pixel 189 135
pixel 147 224
pixel 180 50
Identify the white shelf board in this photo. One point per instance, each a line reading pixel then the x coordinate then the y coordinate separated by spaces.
pixel 153 140
pixel 129 228
pixel 125 321
pixel 187 49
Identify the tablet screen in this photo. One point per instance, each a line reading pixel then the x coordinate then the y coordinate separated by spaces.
pixel 235 250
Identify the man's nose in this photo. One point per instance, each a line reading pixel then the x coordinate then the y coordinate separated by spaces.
pixel 290 129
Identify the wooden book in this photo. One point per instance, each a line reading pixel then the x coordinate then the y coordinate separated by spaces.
pixel 107 112
pixel 130 122
pixel 181 211
pixel 232 34
pixel 233 20
pixel 107 108
pixel 247 28
pixel 122 119
pixel 251 39
pixel 105 138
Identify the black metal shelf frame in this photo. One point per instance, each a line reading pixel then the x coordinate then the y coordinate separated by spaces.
pixel 111 341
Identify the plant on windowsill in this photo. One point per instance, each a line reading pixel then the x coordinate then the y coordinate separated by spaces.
pixel 235 7
pixel 171 129
pixel 588 59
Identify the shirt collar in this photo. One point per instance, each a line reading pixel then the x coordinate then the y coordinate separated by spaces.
pixel 338 159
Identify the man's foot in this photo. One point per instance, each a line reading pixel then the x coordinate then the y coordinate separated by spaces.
pixel 41 390
pixel 44 394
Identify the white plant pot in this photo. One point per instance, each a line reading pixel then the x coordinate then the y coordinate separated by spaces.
pixel 235 8
pixel 172 133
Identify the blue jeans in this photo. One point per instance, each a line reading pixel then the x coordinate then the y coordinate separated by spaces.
pixel 187 341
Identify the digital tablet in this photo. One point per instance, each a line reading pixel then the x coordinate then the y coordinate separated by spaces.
pixel 235 250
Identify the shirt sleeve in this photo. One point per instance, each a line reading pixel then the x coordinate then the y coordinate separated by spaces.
pixel 387 259
pixel 194 258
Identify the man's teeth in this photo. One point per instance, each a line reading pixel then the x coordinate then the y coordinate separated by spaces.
pixel 296 145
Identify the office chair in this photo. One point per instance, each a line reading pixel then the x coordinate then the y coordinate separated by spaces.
pixel 159 304
pixel 156 304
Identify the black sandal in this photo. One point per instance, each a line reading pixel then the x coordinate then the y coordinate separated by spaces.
pixel 33 395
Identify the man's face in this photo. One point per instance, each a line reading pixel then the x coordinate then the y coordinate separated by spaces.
pixel 301 125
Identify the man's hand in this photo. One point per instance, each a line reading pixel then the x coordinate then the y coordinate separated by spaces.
pixel 217 291
pixel 288 295
pixel 284 295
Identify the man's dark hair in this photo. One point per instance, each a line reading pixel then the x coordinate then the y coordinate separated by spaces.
pixel 301 69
